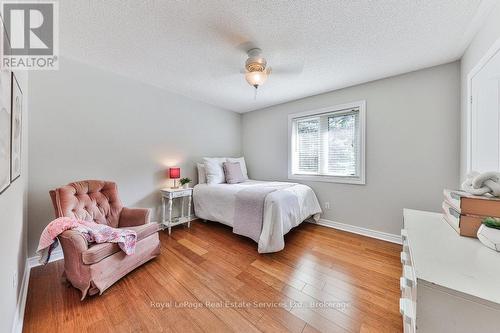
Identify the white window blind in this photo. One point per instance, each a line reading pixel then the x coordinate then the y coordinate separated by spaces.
pixel 343 144
pixel 308 143
pixel 328 143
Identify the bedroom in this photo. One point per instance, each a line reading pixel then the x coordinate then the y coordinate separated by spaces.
pixel 340 124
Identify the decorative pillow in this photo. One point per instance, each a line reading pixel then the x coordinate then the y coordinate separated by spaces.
pixel 202 176
pixel 232 171
pixel 243 165
pixel 213 170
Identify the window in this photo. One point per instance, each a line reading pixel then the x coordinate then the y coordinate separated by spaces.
pixel 328 144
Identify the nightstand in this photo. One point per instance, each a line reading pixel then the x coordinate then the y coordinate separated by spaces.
pixel 167 198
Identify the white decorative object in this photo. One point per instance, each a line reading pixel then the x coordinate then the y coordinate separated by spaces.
pixel 241 161
pixel 482 183
pixel 490 237
pixel 167 198
pixel 448 282
pixel 213 169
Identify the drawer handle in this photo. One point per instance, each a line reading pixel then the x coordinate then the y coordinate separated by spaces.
pixel 404 283
pixel 405 309
pixel 408 275
pixel 404 258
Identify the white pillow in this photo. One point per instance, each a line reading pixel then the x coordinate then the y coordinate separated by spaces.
pixel 241 161
pixel 214 170
pixel 202 176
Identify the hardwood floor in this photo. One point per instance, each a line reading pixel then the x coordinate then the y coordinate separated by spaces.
pixel 210 280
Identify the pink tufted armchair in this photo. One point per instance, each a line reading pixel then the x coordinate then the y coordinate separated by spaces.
pixel 92 268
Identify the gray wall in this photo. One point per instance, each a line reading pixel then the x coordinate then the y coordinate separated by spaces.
pixel 87 123
pixel 484 39
pixel 13 218
pixel 412 146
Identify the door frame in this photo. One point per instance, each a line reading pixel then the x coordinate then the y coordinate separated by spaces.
pixel 492 51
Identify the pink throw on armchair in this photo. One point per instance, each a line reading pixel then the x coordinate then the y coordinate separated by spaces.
pixel 92 268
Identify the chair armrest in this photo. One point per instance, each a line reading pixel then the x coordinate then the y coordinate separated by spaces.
pixel 132 217
pixel 73 239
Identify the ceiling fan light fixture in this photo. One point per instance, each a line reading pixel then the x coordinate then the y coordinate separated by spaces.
pixel 256 78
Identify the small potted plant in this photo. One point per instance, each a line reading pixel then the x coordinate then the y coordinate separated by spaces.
pixel 185 182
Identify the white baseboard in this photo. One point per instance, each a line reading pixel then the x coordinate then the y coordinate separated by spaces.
pixel 56 255
pixel 17 325
pixel 361 231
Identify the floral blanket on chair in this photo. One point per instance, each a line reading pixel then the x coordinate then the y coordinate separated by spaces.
pixel 93 232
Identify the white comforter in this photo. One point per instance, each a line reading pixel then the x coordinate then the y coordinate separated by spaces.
pixel 216 202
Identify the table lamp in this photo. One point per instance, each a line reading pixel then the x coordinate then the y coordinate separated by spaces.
pixel 174 173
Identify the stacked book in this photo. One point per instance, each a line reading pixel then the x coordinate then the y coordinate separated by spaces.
pixel 465 212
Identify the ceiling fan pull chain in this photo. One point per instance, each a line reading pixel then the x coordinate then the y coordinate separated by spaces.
pixel 255 93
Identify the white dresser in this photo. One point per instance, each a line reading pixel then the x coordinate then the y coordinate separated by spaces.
pixel 450 283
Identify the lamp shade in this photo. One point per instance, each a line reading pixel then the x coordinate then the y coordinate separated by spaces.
pixel 174 173
pixel 256 78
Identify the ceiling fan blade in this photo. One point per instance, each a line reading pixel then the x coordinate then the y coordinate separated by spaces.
pixel 229 35
pixel 292 69
pixel 247 45
pixel 224 72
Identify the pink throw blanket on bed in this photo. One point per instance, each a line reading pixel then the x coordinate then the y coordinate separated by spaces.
pixel 93 232
pixel 249 208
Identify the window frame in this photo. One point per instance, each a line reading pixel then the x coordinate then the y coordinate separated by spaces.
pixel 341 108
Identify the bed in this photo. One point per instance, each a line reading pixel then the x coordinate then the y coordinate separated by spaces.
pixel 285 206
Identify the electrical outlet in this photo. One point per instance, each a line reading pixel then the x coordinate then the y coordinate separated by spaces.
pixel 14 280
pixel 327 205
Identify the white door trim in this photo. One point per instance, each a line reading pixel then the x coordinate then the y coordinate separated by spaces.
pixel 492 51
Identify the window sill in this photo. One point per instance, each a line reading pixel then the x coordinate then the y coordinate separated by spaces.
pixel 329 179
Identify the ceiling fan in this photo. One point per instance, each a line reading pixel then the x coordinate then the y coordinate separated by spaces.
pixel 284 56
pixel 257 71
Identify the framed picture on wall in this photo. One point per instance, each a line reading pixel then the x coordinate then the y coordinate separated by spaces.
pixel 5 122
pixel 5 129
pixel 16 129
